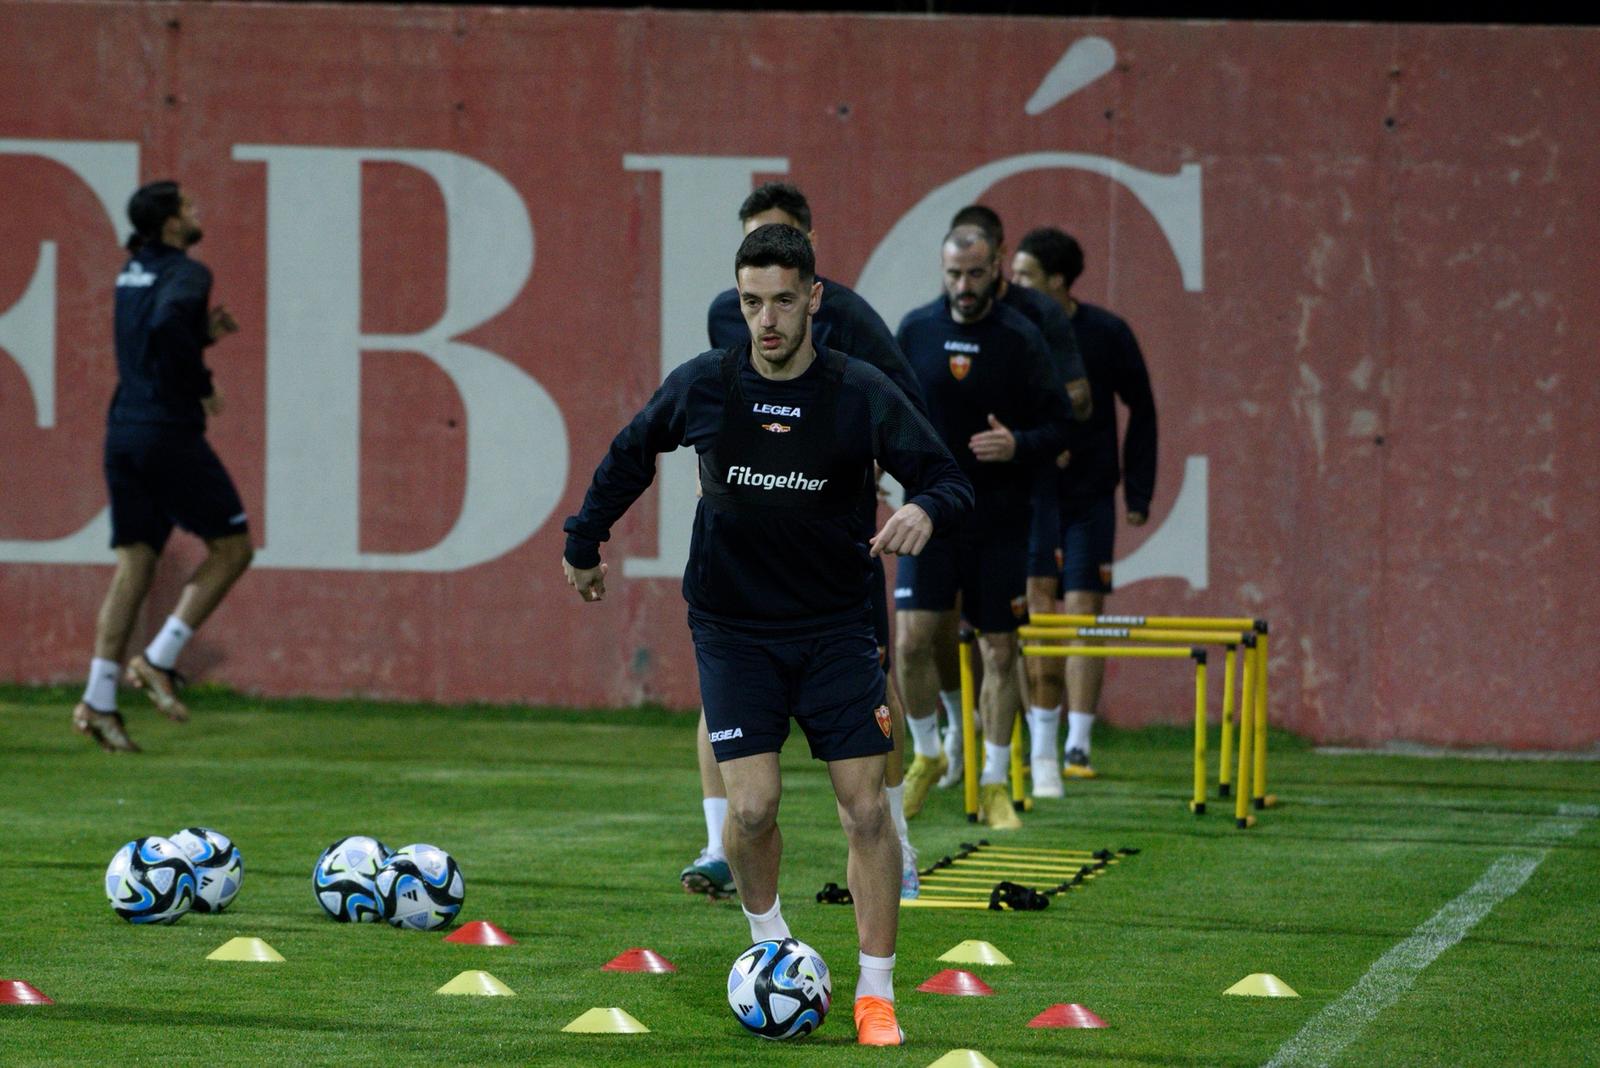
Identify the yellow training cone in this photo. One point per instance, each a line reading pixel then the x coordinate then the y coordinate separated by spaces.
pixel 1262 985
pixel 245 949
pixel 481 984
pixel 606 1022
pixel 974 952
pixel 963 1058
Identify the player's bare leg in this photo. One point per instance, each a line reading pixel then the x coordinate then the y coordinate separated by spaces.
pixel 1047 680
pixel 136 569
pixel 998 699
pixel 874 860
pixel 1085 675
pixel 709 873
pixel 916 634
pixel 752 841
pixel 894 779
pixel 946 650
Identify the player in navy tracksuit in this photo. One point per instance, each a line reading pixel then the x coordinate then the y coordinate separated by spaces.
pixel 159 469
pixel 994 396
pixel 779 576
pixel 1075 521
pixel 846 324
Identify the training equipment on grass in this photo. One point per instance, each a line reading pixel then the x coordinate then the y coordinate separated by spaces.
pixel 639 959
pixel 963 1058
pixel 612 1021
pixel 150 880
pixel 1005 878
pixel 18 992
pixel 780 989
pixel 1262 985
pixel 420 887
pixel 1073 1015
pixel 957 983
pixel 973 951
pixel 218 867
pixel 478 984
pixel 246 949
pixel 480 933
pixel 342 879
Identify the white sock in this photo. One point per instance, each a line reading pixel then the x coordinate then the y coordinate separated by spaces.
pixel 768 925
pixel 101 693
pixel 924 735
pixel 1044 727
pixel 996 764
pixel 877 977
pixel 897 810
pixel 716 810
pixel 951 701
pixel 1079 724
pixel 163 650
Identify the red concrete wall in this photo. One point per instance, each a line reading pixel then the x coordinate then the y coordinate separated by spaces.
pixel 1382 340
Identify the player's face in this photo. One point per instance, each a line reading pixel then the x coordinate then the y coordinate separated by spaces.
pixel 970 277
pixel 188 230
pixel 778 308
pixel 1027 273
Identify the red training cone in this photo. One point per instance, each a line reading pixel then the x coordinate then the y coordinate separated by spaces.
pixel 17 992
pixel 1067 1016
pixel 639 960
pixel 480 933
pixel 955 981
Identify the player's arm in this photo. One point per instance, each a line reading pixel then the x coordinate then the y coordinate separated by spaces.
pixel 624 474
pixel 1048 419
pixel 1132 385
pixel 861 332
pixel 937 492
pixel 179 329
pixel 1067 360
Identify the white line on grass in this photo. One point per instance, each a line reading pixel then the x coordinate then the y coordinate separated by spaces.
pixel 1327 1034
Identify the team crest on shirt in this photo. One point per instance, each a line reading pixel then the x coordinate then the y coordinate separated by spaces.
pixel 775 427
pixel 960 364
pixel 882 712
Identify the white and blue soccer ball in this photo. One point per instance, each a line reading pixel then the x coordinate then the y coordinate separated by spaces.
pixel 342 879
pixel 218 866
pixel 421 887
pixel 150 880
pixel 780 989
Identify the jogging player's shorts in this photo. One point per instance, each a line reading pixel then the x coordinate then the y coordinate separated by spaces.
pixel 986 564
pixel 1073 541
pixel 159 476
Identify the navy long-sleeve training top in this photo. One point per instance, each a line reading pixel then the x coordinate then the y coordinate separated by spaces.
pixel 161 332
pixel 1116 371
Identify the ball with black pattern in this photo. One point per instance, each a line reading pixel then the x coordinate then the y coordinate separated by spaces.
pixel 420 887
pixel 150 880
pixel 342 879
pixel 218 866
pixel 780 989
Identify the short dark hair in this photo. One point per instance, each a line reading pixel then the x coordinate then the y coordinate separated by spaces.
pixel 781 195
pixel 149 209
pixel 1057 251
pixel 966 235
pixel 777 245
pixel 984 218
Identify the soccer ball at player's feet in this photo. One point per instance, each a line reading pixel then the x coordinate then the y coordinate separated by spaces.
pixel 420 887
pixel 342 879
pixel 218 866
pixel 150 881
pixel 780 989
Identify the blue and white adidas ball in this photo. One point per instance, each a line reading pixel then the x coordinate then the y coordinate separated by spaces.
pixel 150 880
pixel 420 887
pixel 218 866
pixel 780 989
pixel 342 879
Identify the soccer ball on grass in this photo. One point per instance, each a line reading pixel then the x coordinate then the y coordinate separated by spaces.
pixel 780 989
pixel 150 880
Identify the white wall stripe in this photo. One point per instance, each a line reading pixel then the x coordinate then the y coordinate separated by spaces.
pixel 1327 1034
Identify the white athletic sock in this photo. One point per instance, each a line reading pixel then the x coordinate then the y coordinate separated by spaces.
pixel 769 924
pixel 877 977
pixel 163 650
pixel 101 692
pixel 716 810
pixel 897 810
pixel 1079 725
pixel 951 701
pixel 924 735
pixel 996 764
pixel 1044 727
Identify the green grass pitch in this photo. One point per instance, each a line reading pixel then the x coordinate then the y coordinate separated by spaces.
pixel 571 828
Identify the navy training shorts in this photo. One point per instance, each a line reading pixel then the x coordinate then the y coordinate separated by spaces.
pixel 985 565
pixel 751 685
pixel 1074 542
pixel 160 476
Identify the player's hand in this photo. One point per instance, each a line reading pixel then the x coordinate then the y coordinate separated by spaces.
pixel 877 480
pixel 1136 519
pixel 590 582
pixel 1066 458
pixel 995 445
pixel 221 323
pixel 905 534
pixel 212 404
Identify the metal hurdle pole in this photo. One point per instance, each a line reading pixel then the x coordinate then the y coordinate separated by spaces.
pixel 1058 619
pixel 1019 796
pixel 1262 798
pixel 1247 719
pixel 1225 743
pixel 1198 804
pixel 969 731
